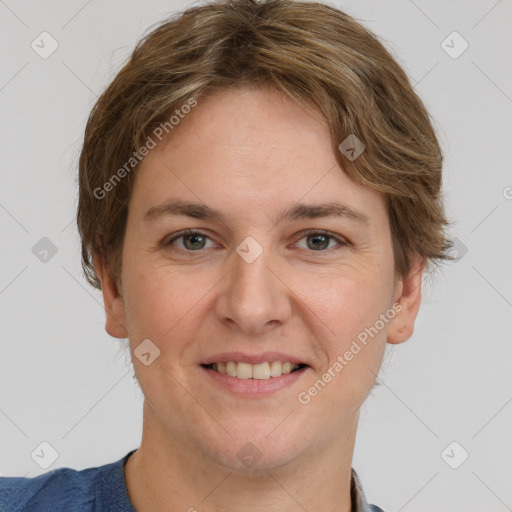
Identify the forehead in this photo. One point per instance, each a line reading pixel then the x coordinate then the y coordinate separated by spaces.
pixel 248 147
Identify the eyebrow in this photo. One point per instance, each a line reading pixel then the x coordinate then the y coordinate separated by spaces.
pixel 175 208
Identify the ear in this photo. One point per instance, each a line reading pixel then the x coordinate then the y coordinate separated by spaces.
pixel 113 301
pixel 408 296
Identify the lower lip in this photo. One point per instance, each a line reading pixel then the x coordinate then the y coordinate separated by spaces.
pixel 254 387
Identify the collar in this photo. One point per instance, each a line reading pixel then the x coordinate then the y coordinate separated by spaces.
pixel 359 503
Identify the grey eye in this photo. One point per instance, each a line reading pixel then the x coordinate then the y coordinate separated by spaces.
pixel 191 241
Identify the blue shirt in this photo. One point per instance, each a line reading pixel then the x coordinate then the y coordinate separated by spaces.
pixel 99 489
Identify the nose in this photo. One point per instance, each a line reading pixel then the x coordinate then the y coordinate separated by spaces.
pixel 254 297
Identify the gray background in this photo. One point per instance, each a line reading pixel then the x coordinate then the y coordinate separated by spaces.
pixel 66 382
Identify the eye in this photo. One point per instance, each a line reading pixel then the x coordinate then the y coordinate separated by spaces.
pixel 318 241
pixel 192 240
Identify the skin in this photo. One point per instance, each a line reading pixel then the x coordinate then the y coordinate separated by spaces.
pixel 251 153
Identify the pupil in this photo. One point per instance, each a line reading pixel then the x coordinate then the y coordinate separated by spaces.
pixel 193 237
pixel 322 245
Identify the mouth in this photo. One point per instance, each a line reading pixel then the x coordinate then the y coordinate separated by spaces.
pixel 253 376
pixel 261 371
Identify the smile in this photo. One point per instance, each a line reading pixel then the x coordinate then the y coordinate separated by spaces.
pixel 254 375
pixel 261 371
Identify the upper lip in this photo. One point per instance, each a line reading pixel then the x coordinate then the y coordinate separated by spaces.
pixel 243 357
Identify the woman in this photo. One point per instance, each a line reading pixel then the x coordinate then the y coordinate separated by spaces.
pixel 260 194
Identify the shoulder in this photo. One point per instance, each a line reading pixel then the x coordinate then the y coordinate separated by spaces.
pixel 58 488
pixel 65 489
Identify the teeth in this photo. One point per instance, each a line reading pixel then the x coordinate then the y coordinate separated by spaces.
pixel 286 368
pixel 231 368
pixel 275 369
pixel 260 371
pixel 244 371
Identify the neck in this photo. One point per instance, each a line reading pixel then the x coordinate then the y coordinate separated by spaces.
pixel 168 475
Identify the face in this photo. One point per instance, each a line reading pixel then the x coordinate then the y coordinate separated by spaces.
pixel 259 281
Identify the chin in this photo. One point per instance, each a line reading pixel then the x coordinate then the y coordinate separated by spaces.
pixel 253 459
pixel 248 452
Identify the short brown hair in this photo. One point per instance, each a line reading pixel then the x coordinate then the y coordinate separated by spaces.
pixel 314 53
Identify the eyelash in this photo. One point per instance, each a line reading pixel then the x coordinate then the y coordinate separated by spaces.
pixel 341 242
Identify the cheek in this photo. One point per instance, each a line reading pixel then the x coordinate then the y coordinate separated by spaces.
pixel 348 308
pixel 353 342
pixel 157 301
pixel 162 309
pixel 168 305
pixel 346 302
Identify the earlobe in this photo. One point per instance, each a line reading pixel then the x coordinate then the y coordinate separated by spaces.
pixel 112 299
pixel 408 296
